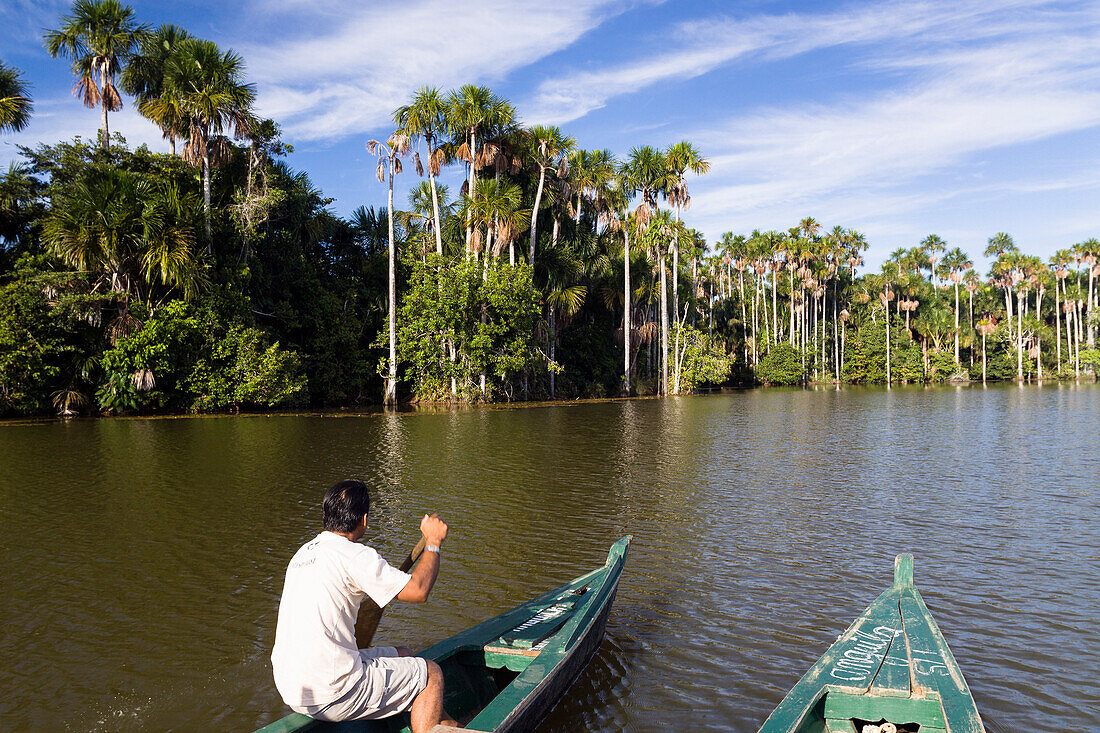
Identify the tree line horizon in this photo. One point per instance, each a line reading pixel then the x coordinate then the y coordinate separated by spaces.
pixel 215 277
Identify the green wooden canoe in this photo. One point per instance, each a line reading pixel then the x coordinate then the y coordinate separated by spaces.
pixel 892 666
pixel 506 673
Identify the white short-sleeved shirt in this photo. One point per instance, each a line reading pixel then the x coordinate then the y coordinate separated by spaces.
pixel 315 658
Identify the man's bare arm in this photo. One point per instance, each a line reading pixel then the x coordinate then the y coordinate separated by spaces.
pixel 424 576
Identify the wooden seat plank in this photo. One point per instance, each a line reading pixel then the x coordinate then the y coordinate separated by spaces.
pixel 898 710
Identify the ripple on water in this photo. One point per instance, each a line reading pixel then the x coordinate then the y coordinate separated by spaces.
pixel 763 522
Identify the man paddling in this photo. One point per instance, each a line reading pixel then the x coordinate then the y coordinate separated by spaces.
pixel 319 669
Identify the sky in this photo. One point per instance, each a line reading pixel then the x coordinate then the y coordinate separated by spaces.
pixel 896 119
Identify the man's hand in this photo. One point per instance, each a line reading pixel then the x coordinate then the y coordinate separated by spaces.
pixel 434 529
pixel 423 577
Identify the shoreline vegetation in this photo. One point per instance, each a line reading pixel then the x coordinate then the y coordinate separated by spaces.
pixel 216 278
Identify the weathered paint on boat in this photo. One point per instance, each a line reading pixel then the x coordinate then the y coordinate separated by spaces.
pixel 892 665
pixel 505 674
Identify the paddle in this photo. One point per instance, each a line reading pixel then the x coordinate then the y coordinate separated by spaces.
pixel 369 612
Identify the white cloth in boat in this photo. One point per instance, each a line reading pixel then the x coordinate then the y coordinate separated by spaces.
pixel 315 658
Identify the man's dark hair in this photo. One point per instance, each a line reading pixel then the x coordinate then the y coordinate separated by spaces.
pixel 345 504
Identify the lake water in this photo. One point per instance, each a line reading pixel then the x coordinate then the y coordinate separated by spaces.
pixel 143 559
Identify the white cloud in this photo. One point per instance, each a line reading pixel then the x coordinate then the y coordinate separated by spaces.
pixel 879 160
pixel 702 46
pixel 350 74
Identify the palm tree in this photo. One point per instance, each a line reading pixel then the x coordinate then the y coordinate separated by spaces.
pixel 208 87
pixel 471 112
pixel 611 196
pixel 647 172
pixel 15 101
pixel 931 247
pixel 1060 263
pixel 550 149
pixel 98 37
pixel 144 75
pixel 1090 252
pixel 680 158
pixel 129 232
pixel 389 165
pixel 954 263
pixel 425 118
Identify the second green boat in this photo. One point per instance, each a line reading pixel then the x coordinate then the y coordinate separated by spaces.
pixel 890 671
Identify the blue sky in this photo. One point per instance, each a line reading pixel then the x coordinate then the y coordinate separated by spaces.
pixel 897 119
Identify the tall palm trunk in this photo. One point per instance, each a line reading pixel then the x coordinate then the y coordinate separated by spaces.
pixel 1058 324
pixel 1020 344
pixel 206 200
pixel 971 293
pixel 435 198
pixel 956 323
pixel 775 309
pixel 391 381
pixel 744 317
pixel 1088 316
pixel 553 343
pixel 664 325
pixel 471 188
pixel 889 377
pixel 791 272
pixel 983 356
pixel 626 308
pixel 172 144
pixel 836 336
pixel 106 129
pixel 535 215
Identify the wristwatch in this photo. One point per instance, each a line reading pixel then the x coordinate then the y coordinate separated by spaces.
pixel 432 548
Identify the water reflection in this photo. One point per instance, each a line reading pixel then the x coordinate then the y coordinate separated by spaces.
pixel 148 554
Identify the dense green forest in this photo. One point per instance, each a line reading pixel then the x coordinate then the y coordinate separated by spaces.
pixel 216 277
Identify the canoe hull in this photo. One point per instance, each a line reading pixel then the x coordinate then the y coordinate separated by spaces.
pixel 505 674
pixel 535 707
pixel 891 665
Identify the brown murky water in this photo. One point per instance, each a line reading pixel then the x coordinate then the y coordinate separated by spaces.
pixel 142 559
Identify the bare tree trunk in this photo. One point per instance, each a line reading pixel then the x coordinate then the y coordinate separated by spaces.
pixel 472 187
pixel 172 144
pixel 1091 325
pixel 435 203
pixel 535 215
pixel 106 129
pixel 664 325
pixel 956 323
pixel 1020 344
pixel 971 292
pixel 744 317
pixel 775 308
pixel 792 306
pixel 553 343
pixel 205 200
pixel 889 377
pixel 983 357
pixel 626 309
pixel 391 381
